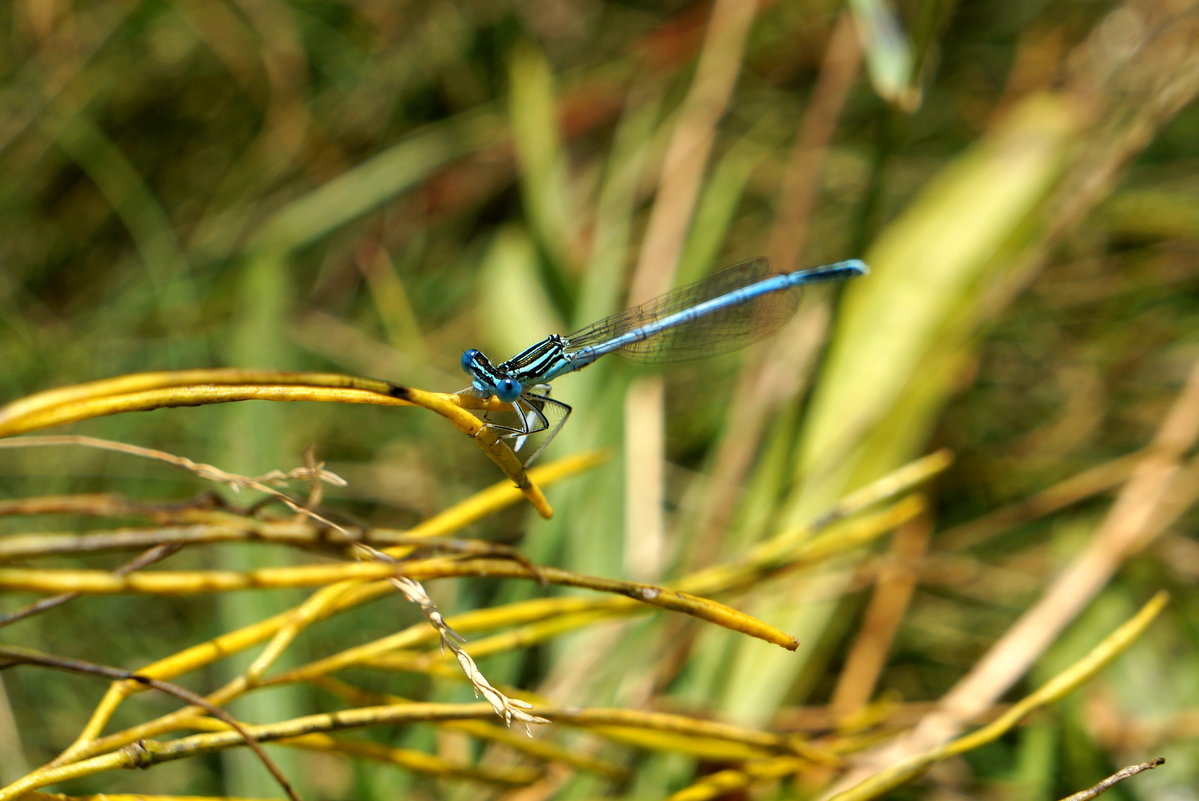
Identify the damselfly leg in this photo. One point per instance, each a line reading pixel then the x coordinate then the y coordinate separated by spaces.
pixel 534 421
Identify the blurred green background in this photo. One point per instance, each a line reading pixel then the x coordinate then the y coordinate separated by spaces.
pixel 371 187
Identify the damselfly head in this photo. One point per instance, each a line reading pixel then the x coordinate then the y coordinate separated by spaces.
pixel 487 380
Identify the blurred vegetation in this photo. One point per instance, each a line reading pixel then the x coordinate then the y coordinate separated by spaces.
pixel 371 187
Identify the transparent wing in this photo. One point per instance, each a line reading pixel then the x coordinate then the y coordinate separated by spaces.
pixel 720 331
pixel 551 414
pixel 535 420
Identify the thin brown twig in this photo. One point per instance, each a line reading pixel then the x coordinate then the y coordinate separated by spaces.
pixel 296 534
pixel 1117 777
pixel 15 655
pixel 152 556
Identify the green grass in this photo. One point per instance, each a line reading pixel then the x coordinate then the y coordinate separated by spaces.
pixel 371 188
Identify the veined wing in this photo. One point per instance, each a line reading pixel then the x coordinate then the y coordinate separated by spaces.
pixel 724 329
